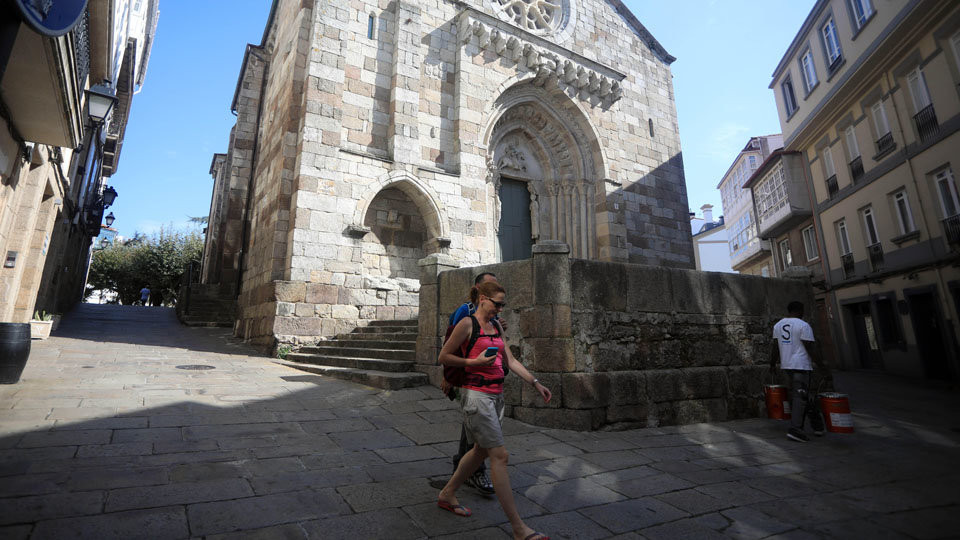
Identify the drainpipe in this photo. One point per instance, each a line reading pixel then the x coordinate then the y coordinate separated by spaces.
pixel 245 234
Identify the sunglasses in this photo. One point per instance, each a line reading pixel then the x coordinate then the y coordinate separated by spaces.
pixel 499 305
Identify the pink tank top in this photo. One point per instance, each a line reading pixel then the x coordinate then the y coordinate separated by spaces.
pixel 494 371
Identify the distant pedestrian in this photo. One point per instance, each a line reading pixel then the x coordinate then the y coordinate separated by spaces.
pixel 144 296
pixel 794 349
pixel 478 480
pixel 481 402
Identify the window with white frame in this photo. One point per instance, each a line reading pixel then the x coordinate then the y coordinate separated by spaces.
pixel 879 114
pixel 904 216
pixel 786 258
pixel 870 226
pixel 753 161
pixel 843 239
pixel 810 244
pixel 828 167
pixel 853 149
pixel 862 10
pixel 918 90
pixel 789 97
pixel 770 194
pixel 809 70
pixel 947 190
pixel 137 5
pixel 831 41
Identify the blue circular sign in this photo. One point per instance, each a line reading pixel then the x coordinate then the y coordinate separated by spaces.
pixel 51 18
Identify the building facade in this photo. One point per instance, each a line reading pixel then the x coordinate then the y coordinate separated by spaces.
pixel 868 95
pixel 55 152
pixel 371 135
pixel 711 249
pixel 749 254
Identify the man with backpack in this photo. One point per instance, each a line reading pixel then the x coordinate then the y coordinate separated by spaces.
pixel 479 480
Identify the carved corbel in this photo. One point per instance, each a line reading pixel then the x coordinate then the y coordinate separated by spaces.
pixel 533 58
pixel 570 72
pixel 583 77
pixel 499 42
pixel 512 45
pixel 594 86
pixel 484 36
pixel 616 91
pixel 605 86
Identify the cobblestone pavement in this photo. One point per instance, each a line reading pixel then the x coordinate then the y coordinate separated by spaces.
pixel 104 437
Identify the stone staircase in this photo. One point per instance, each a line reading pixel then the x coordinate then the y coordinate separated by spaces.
pixel 206 306
pixel 381 355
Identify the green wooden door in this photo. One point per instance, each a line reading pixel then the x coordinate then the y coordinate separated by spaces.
pixel 514 235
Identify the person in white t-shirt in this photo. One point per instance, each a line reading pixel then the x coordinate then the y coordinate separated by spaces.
pixel 796 351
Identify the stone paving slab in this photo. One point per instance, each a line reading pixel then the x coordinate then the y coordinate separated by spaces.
pixel 105 438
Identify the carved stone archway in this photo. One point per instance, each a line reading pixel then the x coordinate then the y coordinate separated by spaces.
pixel 538 138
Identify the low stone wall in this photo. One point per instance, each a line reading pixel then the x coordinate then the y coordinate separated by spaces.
pixel 620 345
pixel 303 313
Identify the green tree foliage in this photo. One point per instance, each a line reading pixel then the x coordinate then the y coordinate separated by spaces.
pixel 156 261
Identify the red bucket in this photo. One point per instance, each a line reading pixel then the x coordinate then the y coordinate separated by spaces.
pixel 836 412
pixel 778 401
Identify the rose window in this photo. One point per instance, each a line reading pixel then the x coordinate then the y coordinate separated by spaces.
pixel 538 16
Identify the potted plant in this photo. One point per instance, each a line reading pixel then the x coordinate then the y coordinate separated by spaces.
pixel 41 324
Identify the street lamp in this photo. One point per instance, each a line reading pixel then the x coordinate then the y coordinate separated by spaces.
pixel 109 195
pixel 100 99
pixel 104 242
pixel 109 219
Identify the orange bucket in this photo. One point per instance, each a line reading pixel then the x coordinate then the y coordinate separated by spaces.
pixel 836 412
pixel 778 401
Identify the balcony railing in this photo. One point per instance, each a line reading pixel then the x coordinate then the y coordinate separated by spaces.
pixel 951 228
pixel 856 169
pixel 926 122
pixel 847 261
pixel 81 40
pixel 876 256
pixel 885 144
pixel 832 186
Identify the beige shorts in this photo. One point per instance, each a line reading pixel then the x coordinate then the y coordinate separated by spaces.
pixel 482 413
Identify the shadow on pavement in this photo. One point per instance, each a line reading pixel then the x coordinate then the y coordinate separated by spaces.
pixel 110 440
pixel 148 326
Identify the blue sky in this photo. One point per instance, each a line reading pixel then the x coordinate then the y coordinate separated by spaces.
pixel 726 51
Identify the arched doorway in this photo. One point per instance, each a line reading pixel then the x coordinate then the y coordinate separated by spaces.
pixel 396 239
pixel 541 140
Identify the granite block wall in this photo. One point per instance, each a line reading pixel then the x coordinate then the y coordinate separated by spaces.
pixel 621 345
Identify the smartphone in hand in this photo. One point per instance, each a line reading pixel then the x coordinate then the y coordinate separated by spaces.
pixel 491 351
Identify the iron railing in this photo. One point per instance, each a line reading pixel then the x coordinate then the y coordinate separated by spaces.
pixel 81 44
pixel 856 168
pixel 951 228
pixel 926 122
pixel 848 267
pixel 832 187
pixel 876 256
pixel 885 143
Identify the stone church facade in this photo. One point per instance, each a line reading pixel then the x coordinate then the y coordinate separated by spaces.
pixel 372 134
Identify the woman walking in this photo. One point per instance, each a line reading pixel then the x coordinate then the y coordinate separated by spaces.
pixel 481 401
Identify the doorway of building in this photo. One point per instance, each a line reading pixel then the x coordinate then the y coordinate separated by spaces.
pixel 514 234
pixel 865 334
pixel 928 329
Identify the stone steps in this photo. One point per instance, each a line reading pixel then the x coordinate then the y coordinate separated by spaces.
pixel 378 379
pixel 353 362
pixel 360 352
pixel 385 328
pixel 381 354
pixel 394 337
